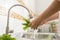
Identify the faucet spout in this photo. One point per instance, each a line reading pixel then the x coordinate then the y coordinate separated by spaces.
pixel 7 27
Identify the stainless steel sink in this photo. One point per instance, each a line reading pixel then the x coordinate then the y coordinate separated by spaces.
pixel 35 39
pixel 37 36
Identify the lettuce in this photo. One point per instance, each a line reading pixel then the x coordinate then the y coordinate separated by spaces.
pixel 26 25
pixel 6 37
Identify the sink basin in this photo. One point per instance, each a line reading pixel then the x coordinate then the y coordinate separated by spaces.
pixel 47 39
pixel 23 39
pixel 37 36
pixel 35 39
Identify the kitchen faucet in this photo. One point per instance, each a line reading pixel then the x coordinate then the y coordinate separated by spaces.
pixel 7 27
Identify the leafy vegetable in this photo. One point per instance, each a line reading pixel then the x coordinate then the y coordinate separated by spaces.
pixel 6 37
pixel 26 24
pixel 26 27
pixel 26 20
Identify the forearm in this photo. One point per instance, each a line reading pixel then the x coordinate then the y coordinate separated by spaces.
pixel 52 9
pixel 53 17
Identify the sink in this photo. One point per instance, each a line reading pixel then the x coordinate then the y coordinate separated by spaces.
pixel 37 36
pixel 35 39
pixel 47 39
pixel 23 39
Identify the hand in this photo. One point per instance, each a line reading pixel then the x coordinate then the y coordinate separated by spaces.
pixel 35 23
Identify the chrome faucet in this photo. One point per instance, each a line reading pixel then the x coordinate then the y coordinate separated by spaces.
pixel 7 27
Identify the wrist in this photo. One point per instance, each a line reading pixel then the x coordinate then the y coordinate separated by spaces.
pixel 39 20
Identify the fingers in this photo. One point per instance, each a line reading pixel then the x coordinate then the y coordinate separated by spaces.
pixel 33 25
